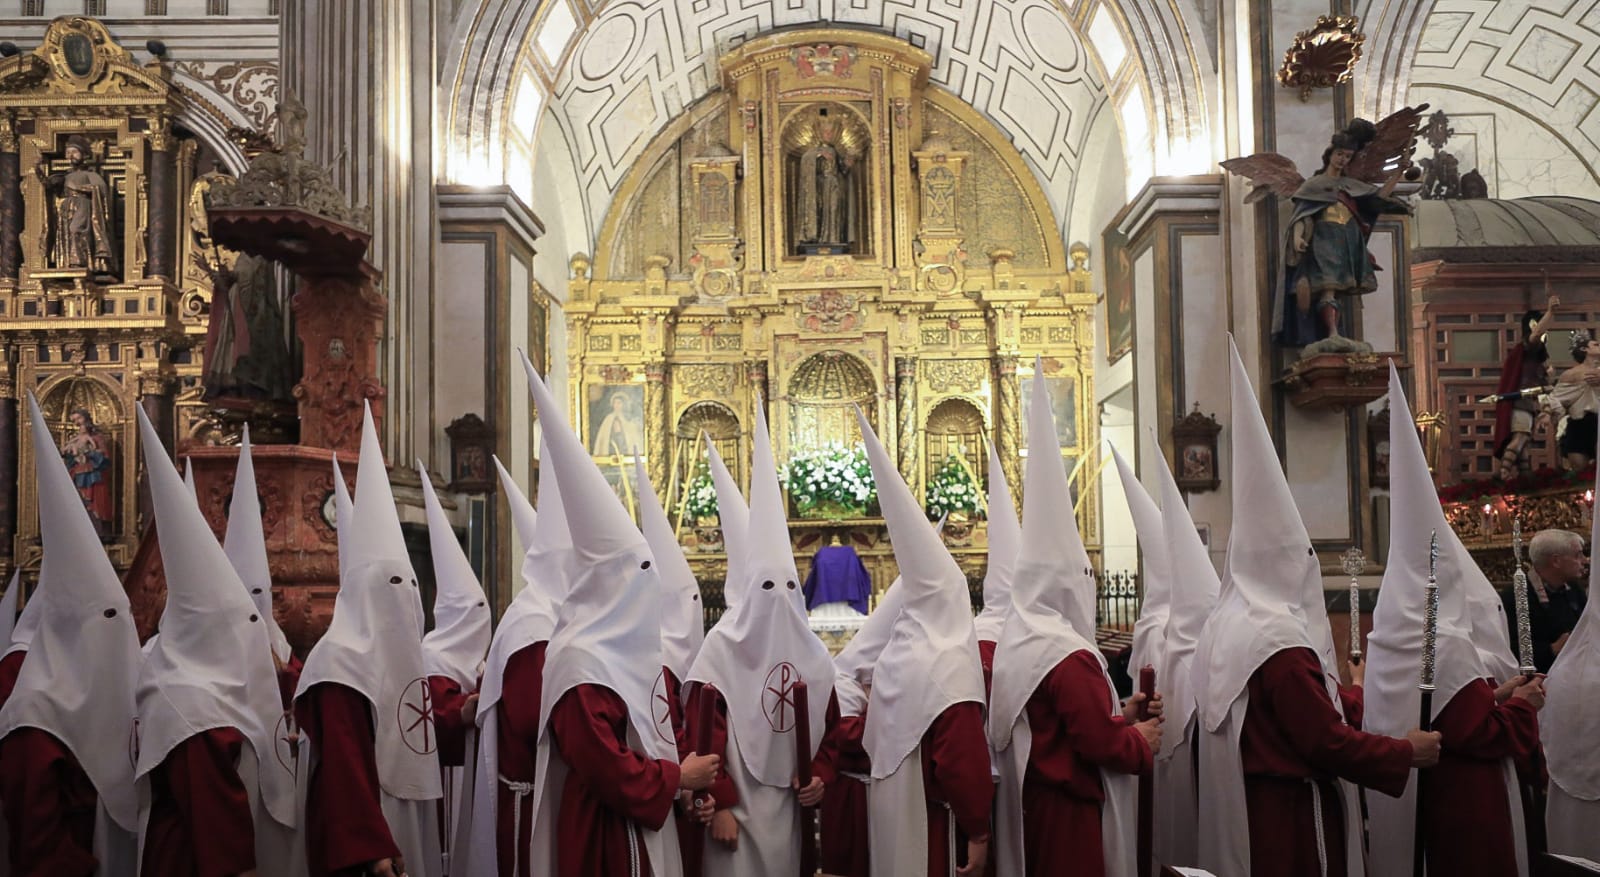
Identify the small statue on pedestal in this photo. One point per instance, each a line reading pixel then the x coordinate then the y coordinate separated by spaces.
pixel 1326 260
pixel 80 214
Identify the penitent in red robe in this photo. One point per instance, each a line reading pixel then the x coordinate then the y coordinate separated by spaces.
pixel 200 823
pixel 517 742
pixel 611 790
pixel 49 804
pixel 957 783
pixel 1466 806
pixel 1075 736
pixel 344 824
pixel 843 811
pixel 1294 744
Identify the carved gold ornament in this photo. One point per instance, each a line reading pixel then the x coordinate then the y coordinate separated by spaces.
pixel 1323 56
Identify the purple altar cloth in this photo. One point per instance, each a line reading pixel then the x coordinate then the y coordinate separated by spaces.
pixel 837 576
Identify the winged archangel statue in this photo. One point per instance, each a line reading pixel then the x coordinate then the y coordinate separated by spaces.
pixel 1325 253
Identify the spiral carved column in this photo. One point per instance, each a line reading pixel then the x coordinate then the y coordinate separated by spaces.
pixel 1009 429
pixel 905 391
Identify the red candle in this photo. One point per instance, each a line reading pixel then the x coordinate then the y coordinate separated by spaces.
pixel 706 718
pixel 802 733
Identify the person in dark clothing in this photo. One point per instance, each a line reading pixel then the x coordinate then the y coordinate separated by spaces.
pixel 1555 596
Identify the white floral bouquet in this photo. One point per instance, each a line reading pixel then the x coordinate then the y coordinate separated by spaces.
pixel 952 491
pixel 700 495
pixel 831 482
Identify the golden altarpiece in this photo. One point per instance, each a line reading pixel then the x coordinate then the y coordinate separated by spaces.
pixel 106 274
pixel 828 230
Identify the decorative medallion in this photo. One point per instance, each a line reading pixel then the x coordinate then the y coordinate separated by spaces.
pixel 830 311
pixel 1323 56
pixel 823 60
pixel 956 375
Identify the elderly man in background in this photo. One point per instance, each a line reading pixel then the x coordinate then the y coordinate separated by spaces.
pixel 1555 592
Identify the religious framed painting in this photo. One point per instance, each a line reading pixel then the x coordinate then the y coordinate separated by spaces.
pixel 539 330
pixel 616 420
pixel 1194 443
pixel 1063 404
pixel 1118 296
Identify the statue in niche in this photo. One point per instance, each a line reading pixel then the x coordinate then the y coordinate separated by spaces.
pixel 79 213
pixel 246 353
pixel 822 191
pixel 1326 261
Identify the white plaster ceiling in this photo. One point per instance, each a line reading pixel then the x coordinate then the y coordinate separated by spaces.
pixel 1520 81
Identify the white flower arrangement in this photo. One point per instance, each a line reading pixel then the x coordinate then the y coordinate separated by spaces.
pixel 832 481
pixel 700 496
pixel 951 490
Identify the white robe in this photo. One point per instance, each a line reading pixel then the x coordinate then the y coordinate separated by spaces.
pixel 1573 824
pixel 1177 826
pixel 769 825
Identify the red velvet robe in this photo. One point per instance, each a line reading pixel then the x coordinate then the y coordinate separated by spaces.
pixel 1293 734
pixel 610 790
pixel 955 772
pixel 447 723
pixel 49 805
pixel 344 824
pixel 200 823
pixel 1465 803
pixel 517 741
pixel 10 666
pixel 1074 738
pixel 289 680
pixel 986 658
pixel 722 788
pixel 843 811
pixel 691 834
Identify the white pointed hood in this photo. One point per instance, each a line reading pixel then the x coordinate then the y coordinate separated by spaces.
pixel 374 644
pixel 1149 632
pixel 608 629
pixel 733 516
pixel 763 644
pixel 931 660
pixel 246 547
pixel 683 625
pixel 456 646
pixel 1193 594
pixel 343 510
pixel 1005 542
pixel 27 624
pixel 83 662
pixel 1394 648
pixel 1572 700
pixel 1271 593
pixel 1052 602
pixel 188 478
pixel 854 665
pixel 211 667
pixel 546 570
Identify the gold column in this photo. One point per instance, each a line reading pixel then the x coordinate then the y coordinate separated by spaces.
pixel 755 372
pixel 1009 429
pixel 658 428
pixel 905 392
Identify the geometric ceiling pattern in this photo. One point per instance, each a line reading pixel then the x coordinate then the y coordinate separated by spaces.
pixel 1523 78
pixel 636 65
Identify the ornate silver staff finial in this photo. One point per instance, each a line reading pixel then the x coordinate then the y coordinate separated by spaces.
pixel 1354 563
pixel 1519 589
pixel 1430 617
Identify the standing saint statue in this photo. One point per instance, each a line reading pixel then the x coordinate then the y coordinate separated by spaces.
pixel 246 352
pixel 823 199
pixel 1326 262
pixel 80 213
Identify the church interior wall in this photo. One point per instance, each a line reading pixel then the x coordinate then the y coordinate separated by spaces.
pixel 1119 429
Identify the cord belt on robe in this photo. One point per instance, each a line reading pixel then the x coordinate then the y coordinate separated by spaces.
pixel 1316 817
pixel 633 849
pixel 519 790
pixel 950 833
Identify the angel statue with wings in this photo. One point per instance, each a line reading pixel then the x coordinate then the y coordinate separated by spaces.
pixel 1325 250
